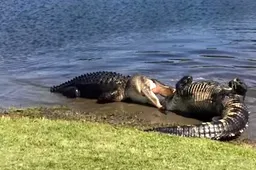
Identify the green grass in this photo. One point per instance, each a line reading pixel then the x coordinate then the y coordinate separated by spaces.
pixel 58 144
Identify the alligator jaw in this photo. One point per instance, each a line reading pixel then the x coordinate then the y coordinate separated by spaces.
pixel 144 90
pixel 162 89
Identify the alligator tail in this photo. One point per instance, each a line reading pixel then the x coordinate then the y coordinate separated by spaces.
pixel 100 77
pixel 234 122
pixel 82 78
pixel 61 87
pixel 71 88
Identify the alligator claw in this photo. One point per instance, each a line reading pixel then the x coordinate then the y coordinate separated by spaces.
pixel 162 110
pixel 239 87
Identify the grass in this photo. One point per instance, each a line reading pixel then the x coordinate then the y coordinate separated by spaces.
pixel 38 143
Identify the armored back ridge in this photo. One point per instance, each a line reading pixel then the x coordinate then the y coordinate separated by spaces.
pixel 111 87
pixel 105 86
pixel 227 102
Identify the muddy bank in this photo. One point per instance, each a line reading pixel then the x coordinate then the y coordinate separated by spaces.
pixel 119 113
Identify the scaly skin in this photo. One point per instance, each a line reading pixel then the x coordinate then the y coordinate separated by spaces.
pixel 105 86
pixel 112 87
pixel 209 97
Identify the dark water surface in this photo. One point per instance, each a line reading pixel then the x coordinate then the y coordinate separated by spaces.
pixel 46 42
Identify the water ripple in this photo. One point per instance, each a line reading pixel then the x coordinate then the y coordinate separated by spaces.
pixel 43 43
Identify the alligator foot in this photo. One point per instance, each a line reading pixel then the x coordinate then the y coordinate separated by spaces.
pixel 163 110
pixel 113 96
pixel 71 92
pixel 216 118
pixel 182 83
pixel 220 93
pixel 239 87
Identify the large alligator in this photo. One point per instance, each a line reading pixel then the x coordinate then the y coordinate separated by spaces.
pixel 209 97
pixel 111 87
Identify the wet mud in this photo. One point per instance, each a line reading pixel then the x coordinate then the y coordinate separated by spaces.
pixel 117 114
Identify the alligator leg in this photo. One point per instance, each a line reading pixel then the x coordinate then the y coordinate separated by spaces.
pixel 216 118
pixel 182 83
pixel 236 86
pixel 71 92
pixel 220 93
pixel 112 96
pixel 239 87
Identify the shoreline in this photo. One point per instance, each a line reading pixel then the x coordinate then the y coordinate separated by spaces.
pixel 124 115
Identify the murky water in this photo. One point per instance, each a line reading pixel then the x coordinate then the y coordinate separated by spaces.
pixel 44 43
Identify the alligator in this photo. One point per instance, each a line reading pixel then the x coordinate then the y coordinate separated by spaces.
pixel 225 101
pixel 114 87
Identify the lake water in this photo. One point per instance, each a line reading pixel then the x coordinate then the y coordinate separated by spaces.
pixel 46 42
